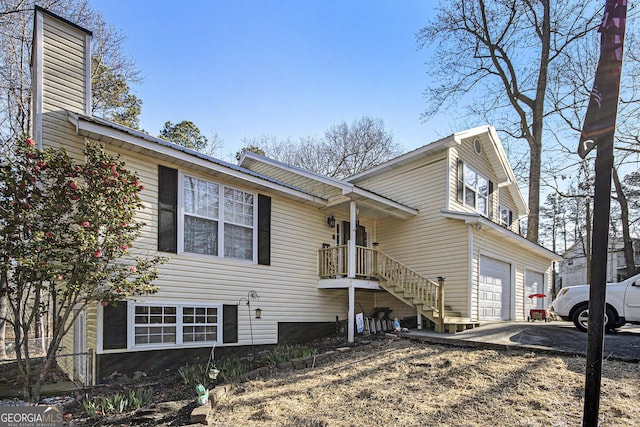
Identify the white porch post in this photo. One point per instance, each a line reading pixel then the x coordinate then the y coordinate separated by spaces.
pixel 352 316
pixel 351 272
pixel 419 320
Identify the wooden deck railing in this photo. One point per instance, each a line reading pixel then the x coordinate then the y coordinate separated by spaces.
pixel 373 264
pixel 333 262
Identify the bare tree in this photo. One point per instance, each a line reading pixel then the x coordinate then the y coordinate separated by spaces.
pixel 345 150
pixel 16 27
pixel 496 57
pixel 359 146
pixel 569 102
pixel 628 246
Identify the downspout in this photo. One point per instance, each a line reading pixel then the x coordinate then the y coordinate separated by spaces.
pixel 470 275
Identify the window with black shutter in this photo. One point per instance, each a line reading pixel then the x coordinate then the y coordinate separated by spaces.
pixel 229 323
pixel 264 229
pixel 460 179
pixel 490 199
pixel 114 326
pixel 167 209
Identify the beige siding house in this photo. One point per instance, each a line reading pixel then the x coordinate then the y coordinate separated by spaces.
pixel 431 236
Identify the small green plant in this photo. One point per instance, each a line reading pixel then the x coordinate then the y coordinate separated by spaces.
pixel 140 397
pixel 117 403
pixel 231 368
pixel 194 374
pixel 114 404
pixel 284 353
pixel 92 407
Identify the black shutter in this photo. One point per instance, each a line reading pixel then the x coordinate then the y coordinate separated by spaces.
pixel 167 209
pixel 346 232
pixel 510 219
pixel 460 178
pixel 229 323
pixel 114 326
pixel 264 230
pixel 490 200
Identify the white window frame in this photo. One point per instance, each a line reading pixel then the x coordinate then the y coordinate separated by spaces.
pixel 501 210
pixel 179 325
pixel 205 324
pixel 220 220
pixel 475 190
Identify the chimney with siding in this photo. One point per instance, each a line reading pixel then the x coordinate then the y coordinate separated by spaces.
pixel 60 80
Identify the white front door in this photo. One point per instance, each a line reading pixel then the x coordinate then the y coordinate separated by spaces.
pixel 494 290
pixel 80 346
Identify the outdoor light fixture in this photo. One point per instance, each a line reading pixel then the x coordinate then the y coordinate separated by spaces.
pixel 331 221
pixel 258 313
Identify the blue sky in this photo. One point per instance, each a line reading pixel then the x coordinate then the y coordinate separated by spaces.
pixel 287 68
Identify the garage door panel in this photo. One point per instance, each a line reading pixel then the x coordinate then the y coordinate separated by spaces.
pixel 494 290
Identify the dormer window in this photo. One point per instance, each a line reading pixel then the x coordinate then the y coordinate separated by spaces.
pixel 476 190
pixel 506 217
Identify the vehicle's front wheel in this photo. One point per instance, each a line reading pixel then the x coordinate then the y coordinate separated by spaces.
pixel 581 318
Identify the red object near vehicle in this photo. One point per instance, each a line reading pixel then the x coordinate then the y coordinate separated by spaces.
pixel 537 313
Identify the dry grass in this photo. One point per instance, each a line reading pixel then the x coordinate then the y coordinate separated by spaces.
pixel 406 383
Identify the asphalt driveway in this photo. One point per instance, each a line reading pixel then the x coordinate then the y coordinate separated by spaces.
pixel 556 336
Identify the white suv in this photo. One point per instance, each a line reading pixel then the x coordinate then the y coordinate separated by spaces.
pixel 623 304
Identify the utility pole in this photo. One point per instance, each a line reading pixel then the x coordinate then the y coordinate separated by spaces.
pixel 599 131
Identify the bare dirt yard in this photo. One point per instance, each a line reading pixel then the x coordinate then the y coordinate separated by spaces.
pixel 407 383
pixel 392 382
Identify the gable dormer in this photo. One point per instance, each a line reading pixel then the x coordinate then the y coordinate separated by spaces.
pixel 482 181
pixel 60 73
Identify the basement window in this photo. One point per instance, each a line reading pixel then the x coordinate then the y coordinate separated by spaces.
pixel 167 325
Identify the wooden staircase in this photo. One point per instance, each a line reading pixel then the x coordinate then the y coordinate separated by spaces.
pixel 425 295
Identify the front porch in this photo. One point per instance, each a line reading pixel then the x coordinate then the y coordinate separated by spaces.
pixel 372 269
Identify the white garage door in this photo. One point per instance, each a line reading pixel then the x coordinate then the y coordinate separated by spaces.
pixel 533 284
pixel 494 290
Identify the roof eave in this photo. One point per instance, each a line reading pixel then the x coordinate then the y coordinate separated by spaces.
pixel 347 189
pixel 425 150
pixel 91 129
pixel 376 201
pixel 294 169
pixel 481 221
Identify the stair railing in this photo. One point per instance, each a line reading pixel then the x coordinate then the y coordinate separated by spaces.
pixel 411 282
pixel 371 263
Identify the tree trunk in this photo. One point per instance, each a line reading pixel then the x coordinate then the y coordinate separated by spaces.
pixel 4 312
pixel 38 332
pixel 626 234
pixel 535 138
pixel 533 219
